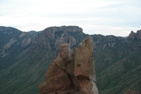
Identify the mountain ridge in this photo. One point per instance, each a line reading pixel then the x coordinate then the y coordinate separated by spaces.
pixel 25 56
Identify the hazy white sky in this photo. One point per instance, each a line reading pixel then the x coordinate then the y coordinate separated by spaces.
pixel 116 17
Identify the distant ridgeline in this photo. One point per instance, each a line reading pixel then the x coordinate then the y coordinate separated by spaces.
pixel 26 56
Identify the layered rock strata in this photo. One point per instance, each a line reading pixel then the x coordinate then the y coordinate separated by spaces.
pixel 71 72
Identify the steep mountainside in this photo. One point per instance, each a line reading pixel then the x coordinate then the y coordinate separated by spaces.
pixel 25 56
pixel 118 64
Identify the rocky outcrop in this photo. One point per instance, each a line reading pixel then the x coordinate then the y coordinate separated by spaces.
pixel 10 43
pixel 50 31
pixel 84 67
pixel 52 38
pixel 62 35
pixel 26 42
pixel 59 75
pixel 138 34
pixel 71 72
pixel 64 28
pixel 64 39
pixel 133 35
pixel 22 35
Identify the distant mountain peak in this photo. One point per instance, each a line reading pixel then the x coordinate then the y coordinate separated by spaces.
pixel 64 28
pixel 133 35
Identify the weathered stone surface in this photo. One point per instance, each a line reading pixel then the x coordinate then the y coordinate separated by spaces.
pixel 83 59
pixel 26 42
pixel 71 73
pixel 84 67
pixel 22 35
pixel 50 31
pixel 10 43
pixel 64 39
pixel 59 77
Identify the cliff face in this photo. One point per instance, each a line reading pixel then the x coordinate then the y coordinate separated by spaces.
pixel 84 67
pixel 133 35
pixel 52 38
pixel 71 73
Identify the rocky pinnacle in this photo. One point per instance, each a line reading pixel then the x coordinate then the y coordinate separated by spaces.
pixel 72 72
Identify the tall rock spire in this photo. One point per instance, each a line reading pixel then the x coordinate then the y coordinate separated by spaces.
pixel 84 67
pixel 72 73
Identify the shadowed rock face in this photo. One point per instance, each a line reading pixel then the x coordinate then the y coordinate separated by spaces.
pixel 133 35
pixel 71 73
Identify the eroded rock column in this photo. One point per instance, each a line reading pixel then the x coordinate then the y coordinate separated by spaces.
pixel 71 72
pixel 59 74
pixel 84 67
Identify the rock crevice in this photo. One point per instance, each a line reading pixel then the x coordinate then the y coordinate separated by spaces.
pixel 71 72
